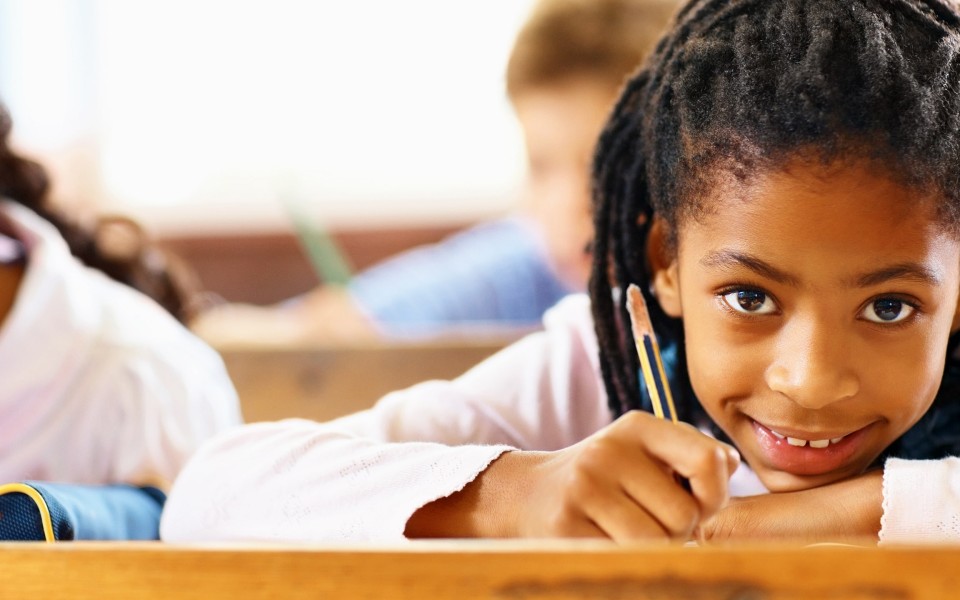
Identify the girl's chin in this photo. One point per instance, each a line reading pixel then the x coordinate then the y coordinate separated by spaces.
pixel 780 481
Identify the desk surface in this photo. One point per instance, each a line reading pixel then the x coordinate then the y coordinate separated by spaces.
pixel 477 569
pixel 323 383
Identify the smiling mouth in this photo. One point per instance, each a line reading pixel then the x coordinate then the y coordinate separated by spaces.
pixel 809 455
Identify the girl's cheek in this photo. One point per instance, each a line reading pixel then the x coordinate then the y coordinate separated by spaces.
pixel 720 373
pixel 902 378
pixel 914 392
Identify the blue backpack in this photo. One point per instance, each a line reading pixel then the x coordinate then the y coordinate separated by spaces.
pixel 40 511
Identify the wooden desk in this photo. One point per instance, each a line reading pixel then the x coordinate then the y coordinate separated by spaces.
pixel 322 383
pixel 476 569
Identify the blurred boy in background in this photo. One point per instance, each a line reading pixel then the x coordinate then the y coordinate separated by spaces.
pixel 565 70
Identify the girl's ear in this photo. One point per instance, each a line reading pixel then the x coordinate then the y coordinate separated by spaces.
pixel 666 281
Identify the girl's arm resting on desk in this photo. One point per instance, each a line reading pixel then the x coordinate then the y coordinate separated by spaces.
pixel 618 483
pixel 846 511
pixel 909 501
pixel 297 480
pixel 361 477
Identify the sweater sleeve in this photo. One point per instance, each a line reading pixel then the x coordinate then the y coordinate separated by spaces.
pixel 361 477
pixel 297 480
pixel 921 501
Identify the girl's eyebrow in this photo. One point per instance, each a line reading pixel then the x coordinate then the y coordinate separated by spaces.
pixel 910 271
pixel 726 259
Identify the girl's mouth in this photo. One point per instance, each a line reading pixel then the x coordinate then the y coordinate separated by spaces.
pixel 809 455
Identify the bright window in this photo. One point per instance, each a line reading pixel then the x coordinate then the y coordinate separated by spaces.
pixel 205 113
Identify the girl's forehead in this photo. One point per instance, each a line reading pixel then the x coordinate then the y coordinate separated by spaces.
pixel 802 186
pixel 814 204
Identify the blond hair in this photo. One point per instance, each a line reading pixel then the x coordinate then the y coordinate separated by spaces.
pixel 605 40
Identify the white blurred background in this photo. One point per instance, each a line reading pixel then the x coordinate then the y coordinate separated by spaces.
pixel 193 115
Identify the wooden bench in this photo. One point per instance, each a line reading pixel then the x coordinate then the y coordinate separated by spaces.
pixel 475 569
pixel 322 383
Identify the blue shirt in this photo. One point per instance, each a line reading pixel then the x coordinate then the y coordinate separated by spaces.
pixel 493 274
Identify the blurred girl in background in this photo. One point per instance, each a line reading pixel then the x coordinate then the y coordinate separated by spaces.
pixel 101 382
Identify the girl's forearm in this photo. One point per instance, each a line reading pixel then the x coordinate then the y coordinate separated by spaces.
pixel 847 511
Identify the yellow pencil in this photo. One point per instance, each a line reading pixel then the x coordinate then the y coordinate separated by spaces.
pixel 649 352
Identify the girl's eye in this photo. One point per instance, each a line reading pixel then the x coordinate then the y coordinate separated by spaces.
pixel 752 302
pixel 887 310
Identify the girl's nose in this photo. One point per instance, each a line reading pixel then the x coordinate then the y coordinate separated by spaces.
pixel 811 367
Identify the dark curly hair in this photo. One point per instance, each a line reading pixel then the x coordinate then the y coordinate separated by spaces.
pixel 116 245
pixel 738 86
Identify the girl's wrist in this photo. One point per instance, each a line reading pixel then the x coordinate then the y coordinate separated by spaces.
pixel 865 501
pixel 487 507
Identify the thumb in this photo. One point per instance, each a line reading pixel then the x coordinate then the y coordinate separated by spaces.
pixel 733 458
pixel 718 525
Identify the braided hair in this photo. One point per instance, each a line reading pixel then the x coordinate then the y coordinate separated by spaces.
pixel 742 85
pixel 117 246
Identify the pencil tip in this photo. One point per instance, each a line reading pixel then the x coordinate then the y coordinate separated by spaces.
pixel 634 296
pixel 637 309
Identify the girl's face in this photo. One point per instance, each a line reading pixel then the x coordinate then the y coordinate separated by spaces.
pixel 817 302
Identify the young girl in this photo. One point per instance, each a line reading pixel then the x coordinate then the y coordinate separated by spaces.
pixel 781 181
pixel 100 383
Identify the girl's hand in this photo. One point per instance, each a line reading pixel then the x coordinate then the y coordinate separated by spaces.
pixel 619 483
pixel 848 511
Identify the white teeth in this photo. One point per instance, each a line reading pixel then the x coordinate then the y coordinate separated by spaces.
pixel 801 443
